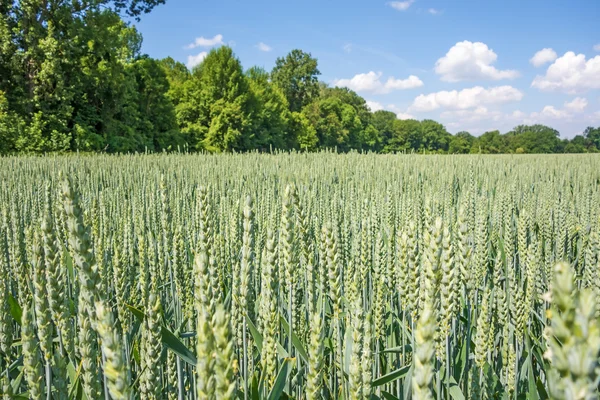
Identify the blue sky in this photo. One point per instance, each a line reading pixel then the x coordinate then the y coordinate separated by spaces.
pixel 473 65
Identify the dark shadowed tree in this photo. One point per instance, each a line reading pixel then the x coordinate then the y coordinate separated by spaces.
pixel 592 136
pixel 270 114
pixel 575 145
pixel 383 122
pixel 461 143
pixel 157 112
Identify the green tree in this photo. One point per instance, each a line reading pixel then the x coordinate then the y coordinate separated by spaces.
pixel 303 131
pixel 592 137
pixel 575 145
pixel 491 142
pixel 435 137
pixel 341 119
pixel 133 8
pixel 533 139
pixel 297 75
pixel 67 69
pixel 10 127
pixel 406 136
pixel 383 122
pixel 156 110
pixel 216 105
pixel 106 113
pixel 461 143
pixel 270 114
pixel 362 135
pixel 177 75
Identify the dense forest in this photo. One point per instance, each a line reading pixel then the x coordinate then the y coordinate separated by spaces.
pixel 73 79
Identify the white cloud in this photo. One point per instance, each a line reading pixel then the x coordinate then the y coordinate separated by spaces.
pixel 402 84
pixel 466 98
pixel 347 48
pixel 402 115
pixel 433 11
pixel 597 47
pixel 473 115
pixel 467 61
pixel 542 57
pixel 551 112
pixel 568 112
pixel 371 82
pixel 578 104
pixel 206 42
pixel 374 106
pixel 479 119
pixel 192 61
pixel 570 73
pixel 368 82
pixel 401 5
pixel 569 120
pixel 518 114
pixel 264 47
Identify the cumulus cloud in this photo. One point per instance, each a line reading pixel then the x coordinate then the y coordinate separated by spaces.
pixel 374 105
pixel 569 118
pixel 264 47
pixel 206 42
pixel 466 98
pixel 434 11
pixel 575 106
pixel 571 73
pixel 472 115
pixel 192 61
pixel 401 5
pixel 402 115
pixel 551 112
pixel 518 114
pixel 597 47
pixel 467 61
pixel 578 104
pixel 347 48
pixel 371 82
pixel 542 57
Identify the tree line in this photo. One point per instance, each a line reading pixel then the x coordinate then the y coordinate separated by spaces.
pixel 74 79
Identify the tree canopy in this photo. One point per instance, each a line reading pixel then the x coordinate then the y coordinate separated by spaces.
pixel 74 79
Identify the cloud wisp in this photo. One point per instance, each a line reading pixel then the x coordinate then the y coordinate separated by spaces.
pixel 201 41
pixel 542 57
pixel 401 5
pixel 264 47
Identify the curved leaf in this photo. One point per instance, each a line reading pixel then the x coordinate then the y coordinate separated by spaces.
pixel 392 376
pixel 279 385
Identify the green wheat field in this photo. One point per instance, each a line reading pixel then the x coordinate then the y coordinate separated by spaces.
pixel 300 276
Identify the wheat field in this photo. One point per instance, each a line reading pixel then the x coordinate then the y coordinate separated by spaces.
pixel 302 276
